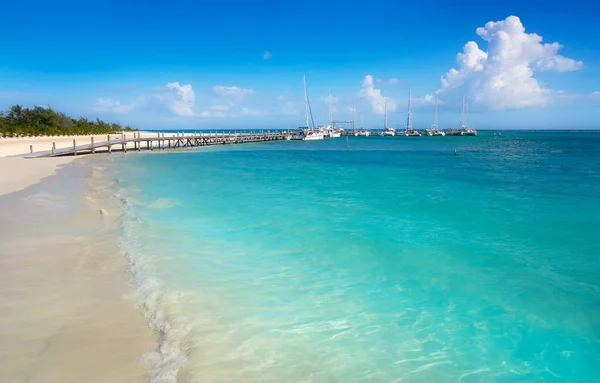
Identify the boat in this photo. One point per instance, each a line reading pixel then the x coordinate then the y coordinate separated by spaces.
pixel 329 130
pixel 387 131
pixel 435 131
pixel 362 132
pixel 409 131
pixel 312 134
pixel 464 129
pixel 309 132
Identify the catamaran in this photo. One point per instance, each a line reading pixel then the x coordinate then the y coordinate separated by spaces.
pixel 435 131
pixel 409 131
pixel 309 131
pixel 464 129
pixel 387 131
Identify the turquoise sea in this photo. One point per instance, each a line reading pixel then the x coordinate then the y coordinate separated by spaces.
pixel 391 260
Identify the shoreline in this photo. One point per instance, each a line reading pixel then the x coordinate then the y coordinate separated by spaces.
pixel 67 312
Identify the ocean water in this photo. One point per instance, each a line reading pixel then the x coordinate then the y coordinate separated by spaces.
pixel 369 260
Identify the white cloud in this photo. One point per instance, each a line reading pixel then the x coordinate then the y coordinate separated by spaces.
pixel 267 55
pixel 231 91
pixel 502 77
pixel 180 98
pixel 113 106
pixel 374 96
pixel 395 81
pixel 220 107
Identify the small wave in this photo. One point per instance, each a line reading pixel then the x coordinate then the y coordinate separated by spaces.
pixel 164 203
pixel 154 299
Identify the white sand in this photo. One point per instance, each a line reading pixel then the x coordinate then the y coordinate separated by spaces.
pixel 17 173
pixel 63 281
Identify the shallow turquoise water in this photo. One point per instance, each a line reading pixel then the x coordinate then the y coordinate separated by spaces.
pixel 392 261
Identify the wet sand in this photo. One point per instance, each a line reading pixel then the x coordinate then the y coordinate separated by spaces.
pixel 64 311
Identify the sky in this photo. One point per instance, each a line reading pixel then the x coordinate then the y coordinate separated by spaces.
pixel 229 64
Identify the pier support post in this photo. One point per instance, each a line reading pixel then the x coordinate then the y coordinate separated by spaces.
pixel 74 148
pixel 159 140
pixel 53 147
pixel 109 145
pixel 148 145
pixel 93 148
pixel 30 148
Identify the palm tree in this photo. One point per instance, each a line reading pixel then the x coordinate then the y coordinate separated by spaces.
pixel 15 111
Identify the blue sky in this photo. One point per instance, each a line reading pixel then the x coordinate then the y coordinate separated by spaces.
pixel 198 65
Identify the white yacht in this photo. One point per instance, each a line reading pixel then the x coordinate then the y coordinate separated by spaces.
pixel 409 131
pixel 435 131
pixel 464 129
pixel 387 131
pixel 312 134
pixel 329 130
pixel 309 131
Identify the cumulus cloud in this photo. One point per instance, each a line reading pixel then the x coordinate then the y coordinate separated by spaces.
pixel 231 91
pixel 180 98
pixel 267 55
pixel 113 106
pixel 375 98
pixel 502 77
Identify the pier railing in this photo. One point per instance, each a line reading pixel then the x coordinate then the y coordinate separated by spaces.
pixel 137 142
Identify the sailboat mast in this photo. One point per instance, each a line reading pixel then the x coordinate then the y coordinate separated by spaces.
pixel 435 114
pixel 466 114
pixel 353 114
pixel 385 122
pixel 306 102
pixel 462 113
pixel 409 117
pixel 329 107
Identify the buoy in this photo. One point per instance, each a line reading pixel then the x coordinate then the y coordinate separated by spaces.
pixel 454 151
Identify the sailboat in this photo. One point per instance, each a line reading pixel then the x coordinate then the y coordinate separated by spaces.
pixel 464 129
pixel 329 130
pixel 387 131
pixel 409 131
pixel 435 131
pixel 362 131
pixel 309 132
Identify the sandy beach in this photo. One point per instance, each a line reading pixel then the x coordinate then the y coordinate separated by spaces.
pixel 16 173
pixel 65 314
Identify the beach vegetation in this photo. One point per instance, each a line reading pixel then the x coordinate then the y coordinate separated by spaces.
pixel 18 121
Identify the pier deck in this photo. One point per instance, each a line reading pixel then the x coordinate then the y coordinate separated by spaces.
pixel 161 141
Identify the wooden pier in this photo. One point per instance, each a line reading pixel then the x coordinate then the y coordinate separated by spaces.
pixel 160 142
